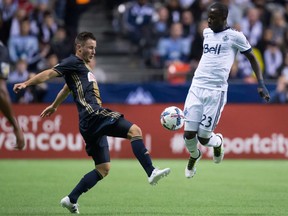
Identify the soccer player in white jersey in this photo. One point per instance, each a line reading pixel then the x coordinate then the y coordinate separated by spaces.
pixel 208 92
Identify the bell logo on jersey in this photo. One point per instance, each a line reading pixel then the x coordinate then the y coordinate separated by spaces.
pixel 225 38
pixel 212 50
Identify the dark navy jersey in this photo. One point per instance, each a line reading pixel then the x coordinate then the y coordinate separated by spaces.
pixel 4 62
pixel 82 84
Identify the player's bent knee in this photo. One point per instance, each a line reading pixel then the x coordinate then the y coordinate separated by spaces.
pixel 134 131
pixel 204 136
pixel 103 172
pixel 189 134
pixel 203 141
pixel 103 169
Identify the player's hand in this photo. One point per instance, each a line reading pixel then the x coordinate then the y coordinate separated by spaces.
pixel 18 87
pixel 262 90
pixel 20 140
pixel 48 111
pixel 20 144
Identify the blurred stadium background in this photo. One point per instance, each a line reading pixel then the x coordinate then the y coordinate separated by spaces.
pixel 135 77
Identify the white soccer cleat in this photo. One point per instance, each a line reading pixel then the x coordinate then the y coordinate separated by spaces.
pixel 190 169
pixel 190 173
pixel 219 151
pixel 157 174
pixel 73 208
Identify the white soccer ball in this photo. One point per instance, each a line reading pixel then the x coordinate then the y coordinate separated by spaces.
pixel 172 118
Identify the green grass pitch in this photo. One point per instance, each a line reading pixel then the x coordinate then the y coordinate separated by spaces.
pixel 232 188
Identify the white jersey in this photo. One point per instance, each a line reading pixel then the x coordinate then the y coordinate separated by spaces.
pixel 219 52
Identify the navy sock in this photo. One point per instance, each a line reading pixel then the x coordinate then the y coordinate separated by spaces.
pixel 87 182
pixel 142 154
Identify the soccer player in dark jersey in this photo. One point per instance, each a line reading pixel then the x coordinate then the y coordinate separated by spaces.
pixel 5 102
pixel 95 122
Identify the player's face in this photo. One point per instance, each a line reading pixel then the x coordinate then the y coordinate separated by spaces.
pixel 87 50
pixel 216 20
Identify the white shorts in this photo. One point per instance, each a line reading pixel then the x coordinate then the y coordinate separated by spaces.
pixel 202 110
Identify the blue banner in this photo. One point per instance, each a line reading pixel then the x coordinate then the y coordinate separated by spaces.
pixel 155 92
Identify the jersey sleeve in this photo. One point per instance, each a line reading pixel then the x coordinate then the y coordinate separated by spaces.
pixel 242 43
pixel 205 32
pixel 65 66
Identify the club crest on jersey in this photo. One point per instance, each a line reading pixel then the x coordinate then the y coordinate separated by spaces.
pixel 5 68
pixel 213 49
pixel 91 77
pixel 225 38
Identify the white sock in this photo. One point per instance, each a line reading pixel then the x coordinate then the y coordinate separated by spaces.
pixel 191 145
pixel 215 141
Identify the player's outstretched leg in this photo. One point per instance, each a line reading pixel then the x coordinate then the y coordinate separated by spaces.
pixel 157 174
pixel 65 203
pixel 88 181
pixel 143 156
pixel 219 151
pixel 190 169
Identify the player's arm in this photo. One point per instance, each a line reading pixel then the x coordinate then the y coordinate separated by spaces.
pixel 262 90
pixel 39 78
pixel 6 109
pixel 61 96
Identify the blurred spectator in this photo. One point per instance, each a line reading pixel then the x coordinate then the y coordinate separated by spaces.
pixel 37 15
pixel 280 95
pixel 174 47
pixel 235 14
pixel 175 11
pixel 27 5
pixel 186 4
pixel 137 23
pixel 7 10
pixel 267 36
pixel 110 5
pixel 98 72
pixel 31 94
pixel 286 11
pixel 199 9
pixel 61 43
pixel 42 55
pixel 59 9
pixel 160 26
pixel 264 11
pixel 189 26
pixel 20 74
pixel 50 61
pixel 252 26
pixel 48 28
pixel 15 23
pixel 24 46
pixel 285 39
pixel 242 69
pixel 159 29
pixel 3 36
pixel 273 59
pixel 173 54
pixel 278 27
pixel 73 11
pixel 196 48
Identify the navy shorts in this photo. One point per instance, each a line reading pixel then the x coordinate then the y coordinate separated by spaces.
pixel 95 133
